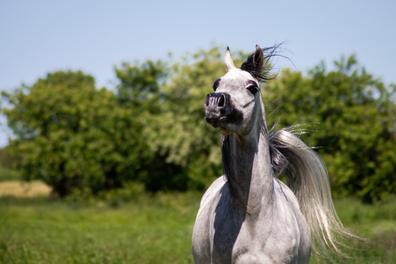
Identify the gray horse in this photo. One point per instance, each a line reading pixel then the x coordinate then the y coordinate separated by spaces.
pixel 248 215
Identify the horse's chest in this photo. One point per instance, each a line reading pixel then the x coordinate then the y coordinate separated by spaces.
pixel 225 234
pixel 237 238
pixel 244 241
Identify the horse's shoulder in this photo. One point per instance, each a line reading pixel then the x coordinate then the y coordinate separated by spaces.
pixel 213 189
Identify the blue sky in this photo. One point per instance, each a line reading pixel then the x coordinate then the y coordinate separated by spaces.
pixel 92 35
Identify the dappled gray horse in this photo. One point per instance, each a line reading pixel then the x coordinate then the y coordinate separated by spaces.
pixel 248 215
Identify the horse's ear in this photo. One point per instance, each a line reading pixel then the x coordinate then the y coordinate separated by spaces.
pixel 254 63
pixel 228 60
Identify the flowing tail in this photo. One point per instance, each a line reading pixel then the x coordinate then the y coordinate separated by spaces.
pixel 307 177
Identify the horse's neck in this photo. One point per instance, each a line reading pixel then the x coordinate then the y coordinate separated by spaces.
pixel 247 165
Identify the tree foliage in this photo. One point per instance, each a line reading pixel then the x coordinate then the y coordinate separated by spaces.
pixel 70 134
pixel 140 89
pixel 350 118
pixel 150 127
pixel 180 132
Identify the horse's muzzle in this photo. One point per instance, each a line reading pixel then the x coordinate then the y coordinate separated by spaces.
pixel 217 108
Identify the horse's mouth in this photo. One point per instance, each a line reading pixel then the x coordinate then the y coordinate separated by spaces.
pixel 233 117
pixel 215 121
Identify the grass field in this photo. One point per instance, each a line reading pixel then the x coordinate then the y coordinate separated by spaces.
pixel 151 229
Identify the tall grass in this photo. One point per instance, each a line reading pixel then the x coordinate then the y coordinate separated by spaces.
pixel 150 229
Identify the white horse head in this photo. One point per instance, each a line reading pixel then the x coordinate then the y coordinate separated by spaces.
pixel 235 105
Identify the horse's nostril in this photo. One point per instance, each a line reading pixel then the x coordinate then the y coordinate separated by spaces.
pixel 221 101
pixel 216 101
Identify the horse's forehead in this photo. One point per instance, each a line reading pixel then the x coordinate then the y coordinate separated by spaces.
pixel 237 75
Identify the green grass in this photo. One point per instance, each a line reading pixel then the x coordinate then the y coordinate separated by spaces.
pixel 149 230
pixel 375 224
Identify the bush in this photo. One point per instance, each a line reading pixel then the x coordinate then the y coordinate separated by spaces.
pixel 71 135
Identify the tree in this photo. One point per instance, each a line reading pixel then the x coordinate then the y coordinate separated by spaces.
pixel 140 90
pixel 70 134
pixel 352 120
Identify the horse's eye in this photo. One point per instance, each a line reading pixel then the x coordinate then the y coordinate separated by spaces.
pixel 216 84
pixel 253 88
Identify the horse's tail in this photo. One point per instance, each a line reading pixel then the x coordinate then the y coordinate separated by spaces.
pixel 307 177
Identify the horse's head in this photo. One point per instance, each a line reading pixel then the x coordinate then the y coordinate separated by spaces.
pixel 235 106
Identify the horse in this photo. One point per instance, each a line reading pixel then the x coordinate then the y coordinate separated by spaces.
pixel 248 215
